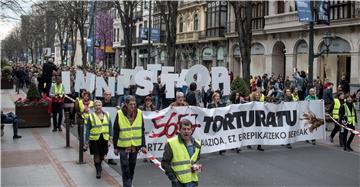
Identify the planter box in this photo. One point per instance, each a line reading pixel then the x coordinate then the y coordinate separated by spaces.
pixel 7 84
pixel 33 116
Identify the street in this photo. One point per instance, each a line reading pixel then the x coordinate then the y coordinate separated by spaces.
pixel 304 165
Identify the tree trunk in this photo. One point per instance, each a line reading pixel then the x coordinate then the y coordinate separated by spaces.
pixel 83 45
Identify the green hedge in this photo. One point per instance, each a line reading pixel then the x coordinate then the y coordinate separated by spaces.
pixel 240 86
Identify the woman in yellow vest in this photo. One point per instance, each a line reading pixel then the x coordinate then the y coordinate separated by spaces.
pixel 128 138
pixel 82 107
pixel 181 157
pixel 347 114
pixel 338 102
pixel 98 135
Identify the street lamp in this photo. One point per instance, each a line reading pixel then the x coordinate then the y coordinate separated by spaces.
pixel 327 41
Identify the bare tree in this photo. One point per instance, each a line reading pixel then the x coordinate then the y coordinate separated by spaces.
pixel 244 31
pixel 104 27
pixel 12 45
pixel 168 11
pixel 126 11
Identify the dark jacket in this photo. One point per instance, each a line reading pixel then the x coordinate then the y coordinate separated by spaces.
pixel 328 96
pixel 116 131
pixel 168 155
pixel 191 98
pixel 212 105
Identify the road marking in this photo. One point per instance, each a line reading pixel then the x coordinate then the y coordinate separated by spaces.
pixel 60 170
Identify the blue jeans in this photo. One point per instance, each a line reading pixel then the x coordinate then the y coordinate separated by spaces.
pixel 11 118
pixel 128 163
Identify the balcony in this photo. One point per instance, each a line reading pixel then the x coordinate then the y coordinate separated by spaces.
pixel 187 36
pixel 283 23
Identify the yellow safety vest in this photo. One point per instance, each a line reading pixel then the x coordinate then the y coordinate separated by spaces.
pixel 57 90
pixel 130 134
pixel 337 105
pixel 98 127
pixel 262 98
pixel 350 115
pixel 295 97
pixel 181 162
pixel 82 108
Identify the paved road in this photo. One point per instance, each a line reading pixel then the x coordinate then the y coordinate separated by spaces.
pixel 305 165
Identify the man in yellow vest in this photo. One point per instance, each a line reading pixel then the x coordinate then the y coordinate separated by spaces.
pixel 347 114
pixel 128 138
pixel 338 102
pixel 57 95
pixel 181 157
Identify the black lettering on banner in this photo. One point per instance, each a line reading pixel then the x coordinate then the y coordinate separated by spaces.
pixel 271 120
pixel 229 118
pixel 290 121
pixel 231 138
pixel 149 147
pixel 250 121
pixel 280 116
pixel 238 119
pixel 212 141
pixel 217 124
pixel 283 135
pixel 207 120
pixel 155 146
pixel 260 118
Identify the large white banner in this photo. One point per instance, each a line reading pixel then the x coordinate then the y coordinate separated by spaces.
pixel 234 126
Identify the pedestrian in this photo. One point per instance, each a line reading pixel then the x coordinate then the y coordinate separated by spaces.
pixel 108 102
pixel 300 84
pixel 47 72
pixel 257 98
pixel 129 138
pixel 98 135
pixel 338 102
pixel 180 100
pixel 82 107
pixel 310 97
pixel 344 85
pixel 347 114
pixel 288 98
pixel 57 96
pixel 191 95
pixel 216 102
pixel 181 157
pixel 10 118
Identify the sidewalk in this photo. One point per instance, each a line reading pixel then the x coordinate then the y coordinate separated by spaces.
pixel 40 158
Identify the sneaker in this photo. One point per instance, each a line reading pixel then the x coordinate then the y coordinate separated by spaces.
pixel 249 147
pixel 313 143
pixel 307 141
pixel 16 137
pixel 260 149
pixel 60 129
pixel 238 150
pixel 331 139
pixel 54 130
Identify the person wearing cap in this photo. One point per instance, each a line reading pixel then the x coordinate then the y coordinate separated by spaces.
pixel 181 157
pixel 148 104
pixel 347 114
pixel 129 138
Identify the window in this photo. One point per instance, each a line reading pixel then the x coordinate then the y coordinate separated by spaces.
pixel 117 35
pixel 216 18
pixel 196 22
pixel 281 7
pixel 145 24
pixel 181 24
pixel 114 35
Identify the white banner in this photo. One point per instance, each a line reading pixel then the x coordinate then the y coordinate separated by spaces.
pixel 234 126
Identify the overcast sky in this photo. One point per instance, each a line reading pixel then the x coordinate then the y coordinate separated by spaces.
pixel 8 24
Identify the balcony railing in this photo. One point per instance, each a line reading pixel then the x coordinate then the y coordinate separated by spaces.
pixel 188 36
pixel 282 21
pixel 257 24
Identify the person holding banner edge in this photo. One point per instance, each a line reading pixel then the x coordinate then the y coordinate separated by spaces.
pixel 181 157
pixel 347 115
pixel 129 138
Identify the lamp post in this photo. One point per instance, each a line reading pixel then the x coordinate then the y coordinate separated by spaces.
pixel 327 42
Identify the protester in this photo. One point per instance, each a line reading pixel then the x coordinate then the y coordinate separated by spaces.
pixel 191 95
pixel 344 85
pixel 10 118
pixel 311 96
pixel 288 98
pixel 47 72
pixel 129 138
pixel 347 114
pixel 257 97
pixel 148 105
pixel 98 134
pixel 180 100
pixel 338 102
pixel 82 107
pixel 57 96
pixel 181 157
pixel 300 84
pixel 108 102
